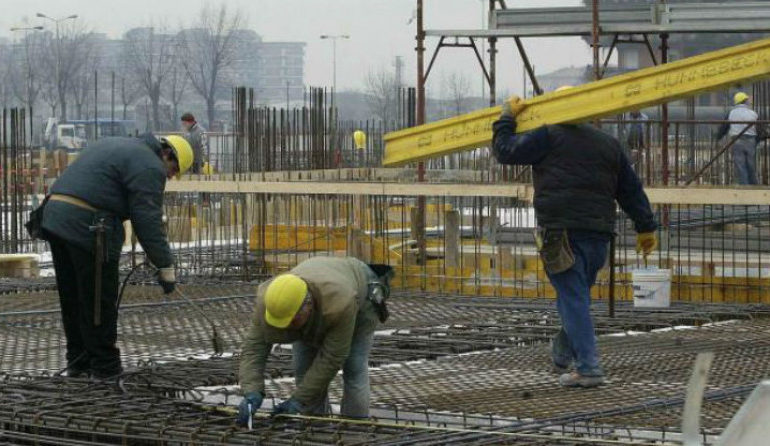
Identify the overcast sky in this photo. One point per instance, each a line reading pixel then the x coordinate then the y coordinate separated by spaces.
pixel 378 32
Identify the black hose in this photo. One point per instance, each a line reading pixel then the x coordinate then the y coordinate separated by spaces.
pixel 125 281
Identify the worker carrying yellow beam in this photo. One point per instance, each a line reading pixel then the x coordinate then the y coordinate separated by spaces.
pixel 579 173
pixel 328 308
pixel 113 180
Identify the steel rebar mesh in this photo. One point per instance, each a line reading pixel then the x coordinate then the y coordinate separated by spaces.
pixel 66 411
pixel 458 354
pixel 646 373
pixel 153 326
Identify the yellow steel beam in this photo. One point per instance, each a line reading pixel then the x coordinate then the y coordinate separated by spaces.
pixel 650 86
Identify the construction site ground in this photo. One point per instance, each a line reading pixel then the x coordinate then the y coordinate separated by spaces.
pixel 445 369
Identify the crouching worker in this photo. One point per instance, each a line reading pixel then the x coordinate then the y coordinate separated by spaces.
pixel 328 308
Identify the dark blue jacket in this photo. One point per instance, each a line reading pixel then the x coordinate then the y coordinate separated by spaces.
pixel 579 172
pixel 124 179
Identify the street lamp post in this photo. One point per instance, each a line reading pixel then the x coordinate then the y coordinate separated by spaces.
pixel 62 112
pixel 334 38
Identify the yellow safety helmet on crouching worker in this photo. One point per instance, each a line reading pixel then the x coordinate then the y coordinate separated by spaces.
pixel 740 98
pixel 182 151
pixel 283 299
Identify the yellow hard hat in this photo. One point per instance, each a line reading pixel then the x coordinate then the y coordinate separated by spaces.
pixel 182 151
pixel 359 137
pixel 283 299
pixel 740 98
pixel 564 87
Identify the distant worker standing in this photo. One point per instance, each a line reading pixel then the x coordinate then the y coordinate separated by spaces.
pixel 328 307
pixel 745 148
pixel 579 173
pixel 113 180
pixel 635 132
pixel 196 136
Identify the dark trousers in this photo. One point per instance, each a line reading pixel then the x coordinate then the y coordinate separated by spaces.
pixel 89 347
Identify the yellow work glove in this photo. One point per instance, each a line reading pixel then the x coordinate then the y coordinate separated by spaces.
pixel 206 169
pixel 512 107
pixel 646 242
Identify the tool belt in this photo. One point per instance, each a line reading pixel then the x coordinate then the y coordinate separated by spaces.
pixel 378 290
pixel 554 249
pixel 73 201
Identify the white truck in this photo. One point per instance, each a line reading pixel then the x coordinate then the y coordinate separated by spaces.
pixel 63 135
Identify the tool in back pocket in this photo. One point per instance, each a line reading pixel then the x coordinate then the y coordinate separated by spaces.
pixel 555 251
pixel 100 255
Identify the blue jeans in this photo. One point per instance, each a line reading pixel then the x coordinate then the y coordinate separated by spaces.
pixel 355 375
pixel 355 370
pixel 745 160
pixel 576 340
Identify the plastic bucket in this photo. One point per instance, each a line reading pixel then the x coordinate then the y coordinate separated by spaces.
pixel 652 287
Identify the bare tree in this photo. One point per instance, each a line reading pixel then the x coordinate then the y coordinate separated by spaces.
pixel 176 89
pixel 382 94
pixel 82 89
pixel 208 49
pixel 149 56
pixel 129 92
pixel 5 74
pixel 25 75
pixel 459 89
pixel 50 96
pixel 64 55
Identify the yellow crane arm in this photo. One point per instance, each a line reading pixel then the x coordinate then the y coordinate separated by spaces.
pixel 649 86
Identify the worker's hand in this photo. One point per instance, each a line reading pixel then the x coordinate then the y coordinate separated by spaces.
pixel 206 169
pixel 288 407
pixel 167 279
pixel 250 403
pixel 646 242
pixel 512 107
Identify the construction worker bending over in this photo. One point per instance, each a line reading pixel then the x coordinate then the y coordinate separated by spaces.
pixel 328 308
pixel 111 181
pixel 579 172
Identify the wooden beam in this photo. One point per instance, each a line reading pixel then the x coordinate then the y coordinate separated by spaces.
pixel 729 195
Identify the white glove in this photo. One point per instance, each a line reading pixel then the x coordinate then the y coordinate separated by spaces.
pixel 167 279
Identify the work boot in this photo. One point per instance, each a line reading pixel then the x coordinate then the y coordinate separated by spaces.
pixel 75 372
pixel 575 379
pixel 107 375
pixel 559 369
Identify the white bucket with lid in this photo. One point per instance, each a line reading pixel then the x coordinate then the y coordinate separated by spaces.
pixel 652 287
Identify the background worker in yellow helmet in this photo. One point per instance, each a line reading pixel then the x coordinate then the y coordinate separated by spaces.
pixel 579 174
pixel 113 180
pixel 745 148
pixel 328 307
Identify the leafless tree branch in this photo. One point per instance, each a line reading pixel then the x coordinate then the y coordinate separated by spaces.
pixel 208 49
